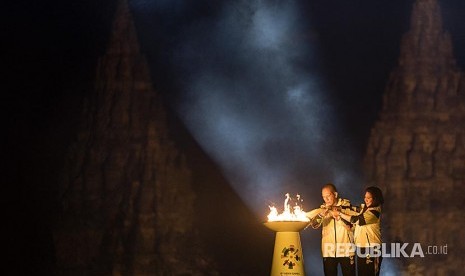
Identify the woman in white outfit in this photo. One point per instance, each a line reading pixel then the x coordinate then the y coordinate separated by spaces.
pixel 367 233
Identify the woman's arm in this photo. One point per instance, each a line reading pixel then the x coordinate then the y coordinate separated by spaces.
pixel 370 216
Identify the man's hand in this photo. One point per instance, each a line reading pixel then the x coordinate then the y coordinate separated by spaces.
pixel 324 213
pixel 335 214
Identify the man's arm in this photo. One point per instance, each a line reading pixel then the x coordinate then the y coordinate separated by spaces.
pixel 316 217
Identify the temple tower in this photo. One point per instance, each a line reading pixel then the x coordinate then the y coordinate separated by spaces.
pixel 128 202
pixel 416 150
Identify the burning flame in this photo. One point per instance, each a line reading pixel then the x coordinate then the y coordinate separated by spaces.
pixel 290 213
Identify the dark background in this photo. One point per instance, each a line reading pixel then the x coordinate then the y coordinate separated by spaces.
pixel 49 62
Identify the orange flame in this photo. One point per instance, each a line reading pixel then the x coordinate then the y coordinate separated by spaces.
pixel 290 213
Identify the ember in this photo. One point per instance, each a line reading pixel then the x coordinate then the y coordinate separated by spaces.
pixel 293 210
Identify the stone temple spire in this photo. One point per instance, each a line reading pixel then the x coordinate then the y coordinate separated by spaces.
pixel 426 47
pixel 414 148
pixel 123 37
pixel 426 65
pixel 127 189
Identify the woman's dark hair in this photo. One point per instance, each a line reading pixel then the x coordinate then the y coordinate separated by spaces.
pixel 377 195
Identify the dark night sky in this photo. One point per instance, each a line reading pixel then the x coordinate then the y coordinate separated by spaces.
pixel 346 49
pixel 52 47
pixel 51 44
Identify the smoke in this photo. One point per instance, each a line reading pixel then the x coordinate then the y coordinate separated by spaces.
pixel 252 95
pixel 254 100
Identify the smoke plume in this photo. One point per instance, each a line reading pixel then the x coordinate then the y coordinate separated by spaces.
pixel 253 97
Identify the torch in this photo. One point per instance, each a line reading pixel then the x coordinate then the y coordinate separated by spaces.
pixel 287 255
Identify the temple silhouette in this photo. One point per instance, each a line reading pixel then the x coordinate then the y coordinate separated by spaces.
pixel 416 150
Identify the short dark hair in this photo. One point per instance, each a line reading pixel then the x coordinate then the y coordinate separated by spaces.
pixel 377 195
pixel 330 186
